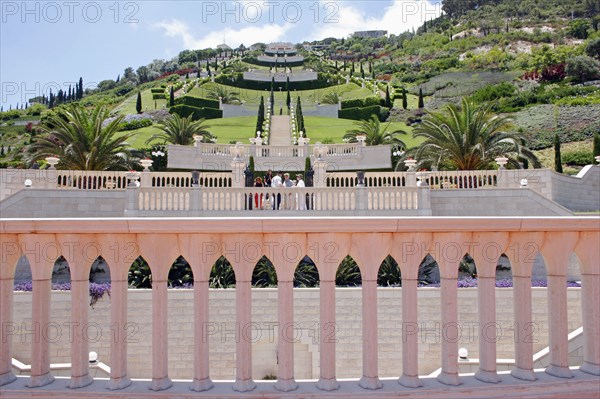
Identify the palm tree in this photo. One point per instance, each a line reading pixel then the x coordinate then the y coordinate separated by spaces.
pixel 469 138
pixel 82 140
pixel 181 130
pixel 227 97
pixel 375 135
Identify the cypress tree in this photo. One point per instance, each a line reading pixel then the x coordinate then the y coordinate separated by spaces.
pixel 138 104
pixel 80 89
pixel 260 119
pixel 421 102
pixel 557 157
pixel 172 98
pixel 388 100
pixel 287 84
pixel 118 78
pixel 362 71
pixel 288 100
pixel 198 75
pixel 404 99
pixel 596 148
pixel 272 99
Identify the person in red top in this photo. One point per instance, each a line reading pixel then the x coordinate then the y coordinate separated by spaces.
pixel 258 182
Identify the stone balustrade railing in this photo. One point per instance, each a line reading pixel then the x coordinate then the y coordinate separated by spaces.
pixel 286 242
pixel 159 199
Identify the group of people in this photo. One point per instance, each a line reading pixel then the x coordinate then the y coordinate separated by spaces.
pixel 289 201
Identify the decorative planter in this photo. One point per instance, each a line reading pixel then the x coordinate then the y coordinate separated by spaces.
pixel 410 164
pixel 52 161
pixel 133 178
pixel 146 164
pixel 501 161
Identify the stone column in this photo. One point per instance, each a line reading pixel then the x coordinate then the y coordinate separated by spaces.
pixel 587 251
pixel 327 381
pixel 118 345
pixel 243 357
pixel 487 249
pixel 557 250
pixel 410 335
pixel 370 379
pixel 80 297
pixel 202 381
pixel 521 244
pixel 41 264
pixel 320 176
pixel 285 374
pixel 8 262
pixel 237 170
pixel 160 336
pixel 40 356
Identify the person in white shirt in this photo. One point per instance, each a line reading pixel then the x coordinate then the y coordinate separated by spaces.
pixel 276 182
pixel 300 197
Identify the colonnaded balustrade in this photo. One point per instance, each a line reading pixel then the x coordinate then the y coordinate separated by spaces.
pixel 327 241
pixel 271 199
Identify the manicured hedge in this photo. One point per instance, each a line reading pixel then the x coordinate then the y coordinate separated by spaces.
pixel 364 113
pixel 197 113
pixel 363 102
pixel 157 90
pixel 197 102
pixel 159 96
pixel 239 82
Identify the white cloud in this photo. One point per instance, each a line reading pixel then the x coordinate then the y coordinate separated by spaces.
pixel 398 17
pixel 233 37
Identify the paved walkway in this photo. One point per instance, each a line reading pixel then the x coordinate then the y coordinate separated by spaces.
pixel 280 130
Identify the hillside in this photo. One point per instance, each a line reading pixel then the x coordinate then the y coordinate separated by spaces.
pixel 537 61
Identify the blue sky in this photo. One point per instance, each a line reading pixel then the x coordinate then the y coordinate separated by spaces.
pixel 47 44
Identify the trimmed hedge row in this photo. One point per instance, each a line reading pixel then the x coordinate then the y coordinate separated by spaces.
pixel 159 96
pixel 364 113
pixel 255 61
pixel 197 102
pixel 157 90
pixel 363 102
pixel 197 113
pixel 237 80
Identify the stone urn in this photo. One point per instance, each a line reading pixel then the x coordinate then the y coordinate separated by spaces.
pixel 146 164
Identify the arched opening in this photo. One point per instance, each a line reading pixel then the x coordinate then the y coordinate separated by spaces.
pixel 264 274
pixel 348 273
pixel 222 274
pixel 389 299
pixel 306 319
pixel 138 329
pixel 22 310
pixel 263 331
pixel 467 272
pixel 348 329
pixel 504 272
pixel 181 317
pixel 61 274
pixel 389 274
pixel 429 272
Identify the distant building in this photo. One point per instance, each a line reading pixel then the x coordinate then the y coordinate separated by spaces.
pixel 223 47
pixel 370 33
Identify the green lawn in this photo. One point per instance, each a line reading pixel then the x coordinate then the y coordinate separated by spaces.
pixel 412 100
pixel 241 129
pixel 127 107
pixel 252 97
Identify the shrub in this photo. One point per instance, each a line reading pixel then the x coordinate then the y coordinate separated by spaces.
pixel 494 92
pixel 364 113
pixel 197 113
pixel 583 68
pixel 363 102
pixel 135 124
pixel 197 102
pixel 157 90
pixel 592 49
pixel 580 157
pixel 159 96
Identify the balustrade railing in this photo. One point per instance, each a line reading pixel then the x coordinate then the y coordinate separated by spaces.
pixel 293 198
pixel 286 242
